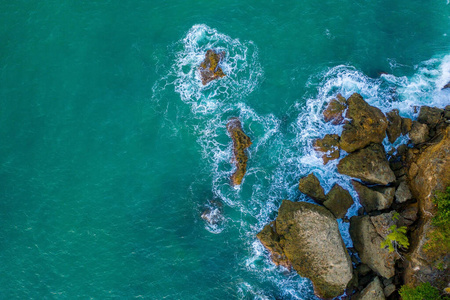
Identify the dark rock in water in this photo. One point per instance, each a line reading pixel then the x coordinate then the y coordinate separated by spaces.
pixel 271 240
pixel 368 164
pixel 335 110
pixel 309 237
pixel 406 125
pixel 447 86
pixel 310 186
pixel 329 145
pixel 419 133
pixel 430 115
pixel 212 213
pixel 376 198
pixel 367 242
pixel 368 125
pixel 395 125
pixel 374 291
pixel 240 143
pixel 338 201
pixel 209 68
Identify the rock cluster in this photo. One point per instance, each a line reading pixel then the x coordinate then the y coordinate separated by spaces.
pixel 209 68
pixel 240 143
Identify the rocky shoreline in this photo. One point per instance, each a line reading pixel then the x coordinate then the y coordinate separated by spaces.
pixel 396 191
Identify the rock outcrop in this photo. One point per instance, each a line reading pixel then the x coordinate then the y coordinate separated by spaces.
pixel 368 164
pixel 329 146
pixel 418 133
pixel 338 201
pixel 308 236
pixel 394 128
pixel 367 241
pixel 375 198
pixel 335 110
pixel 310 186
pixel 367 125
pixel 373 291
pixel 240 143
pixel 209 68
pixel 430 116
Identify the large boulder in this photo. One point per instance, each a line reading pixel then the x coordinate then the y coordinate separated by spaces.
pixel 406 125
pixel 240 143
pixel 309 237
pixel 375 198
pixel 430 115
pixel 418 133
pixel 338 201
pixel 367 125
pixel 329 146
pixel 373 291
pixel 394 128
pixel 402 194
pixel 335 110
pixel 368 164
pixel 310 186
pixel 209 68
pixel 367 242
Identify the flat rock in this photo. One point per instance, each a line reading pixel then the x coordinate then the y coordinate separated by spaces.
pixel 209 68
pixel 310 186
pixel 394 128
pixel 373 291
pixel 368 164
pixel 418 133
pixel 335 110
pixel 375 198
pixel 329 146
pixel 367 125
pixel 338 201
pixel 430 115
pixel 240 143
pixel 367 242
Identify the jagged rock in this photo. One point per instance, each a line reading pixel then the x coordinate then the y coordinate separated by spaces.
pixel 408 215
pixel 271 240
pixel 240 143
pixel 394 128
pixel 376 198
pixel 310 186
pixel 447 86
pixel 418 133
pixel 406 125
pixel 367 242
pixel 209 68
pixel 382 223
pixel 374 291
pixel 329 145
pixel 402 194
pixel 338 201
pixel 309 236
pixel 389 289
pixel 335 109
pixel 368 164
pixel 368 125
pixel 430 115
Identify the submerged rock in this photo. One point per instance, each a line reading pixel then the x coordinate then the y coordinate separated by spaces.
pixel 335 110
pixel 310 186
pixel 338 201
pixel 374 291
pixel 209 68
pixel 368 164
pixel 308 235
pixel 240 143
pixel 368 125
pixel 329 145
pixel 367 242
pixel 394 128
pixel 375 198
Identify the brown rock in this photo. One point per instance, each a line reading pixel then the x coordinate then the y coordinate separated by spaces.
pixel 310 186
pixel 209 68
pixel 368 125
pixel 430 115
pixel 309 237
pixel 271 240
pixel 338 201
pixel 335 109
pixel 376 198
pixel 240 143
pixel 382 223
pixel 374 291
pixel 406 125
pixel 329 145
pixel 394 128
pixel 368 164
pixel 367 242
pixel 419 133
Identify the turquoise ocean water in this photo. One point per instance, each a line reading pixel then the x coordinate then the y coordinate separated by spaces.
pixel 111 148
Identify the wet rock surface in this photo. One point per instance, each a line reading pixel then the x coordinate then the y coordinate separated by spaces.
pixel 368 164
pixel 240 143
pixel 329 146
pixel 310 186
pixel 334 112
pixel 209 68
